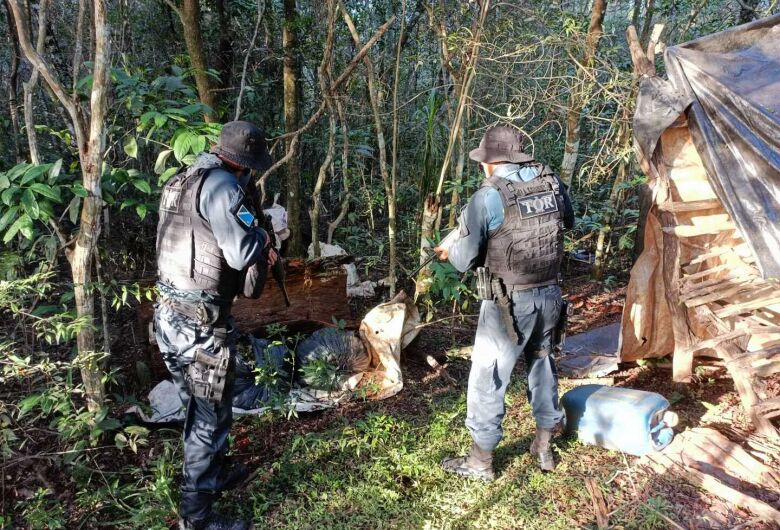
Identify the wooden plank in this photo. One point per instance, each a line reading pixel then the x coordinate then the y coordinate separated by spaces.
pixel 599 505
pixel 692 206
pixel 702 230
pixel 745 358
pixel 726 285
pixel 712 270
pixel 769 408
pixel 750 305
pixel 719 251
pixel 746 387
pixel 714 341
pixel 726 295
pixel 765 369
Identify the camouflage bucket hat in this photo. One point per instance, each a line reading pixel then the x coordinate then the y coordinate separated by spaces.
pixel 500 144
pixel 243 143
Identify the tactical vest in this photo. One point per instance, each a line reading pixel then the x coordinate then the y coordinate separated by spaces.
pixel 188 256
pixel 526 250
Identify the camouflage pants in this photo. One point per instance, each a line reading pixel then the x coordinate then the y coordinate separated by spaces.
pixel 206 424
pixel 536 312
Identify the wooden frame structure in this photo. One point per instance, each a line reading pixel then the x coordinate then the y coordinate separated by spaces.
pixel 716 300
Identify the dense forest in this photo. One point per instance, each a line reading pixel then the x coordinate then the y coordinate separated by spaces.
pixel 371 109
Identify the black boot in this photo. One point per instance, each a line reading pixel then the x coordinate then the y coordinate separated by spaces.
pixel 234 475
pixel 214 521
pixel 540 447
pixel 477 464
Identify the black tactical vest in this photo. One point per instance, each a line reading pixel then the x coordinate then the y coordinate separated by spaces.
pixel 188 256
pixel 526 250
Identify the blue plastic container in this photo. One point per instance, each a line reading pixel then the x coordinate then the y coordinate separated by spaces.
pixel 622 419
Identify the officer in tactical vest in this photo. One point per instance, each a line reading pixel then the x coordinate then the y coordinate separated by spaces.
pixel 209 250
pixel 511 231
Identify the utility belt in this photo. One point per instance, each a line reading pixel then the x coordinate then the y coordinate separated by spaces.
pixel 493 288
pixel 208 373
pixel 203 313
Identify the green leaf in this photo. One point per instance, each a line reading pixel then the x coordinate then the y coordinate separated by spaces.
pixel 142 185
pixel 73 209
pixel 167 174
pixel 17 171
pixel 7 196
pixel 79 190
pixel 160 120
pixel 162 158
pixel 182 145
pixel 141 211
pixel 46 191
pixel 131 147
pixel 26 227
pixel 7 216
pixel 54 172
pixel 4 182
pixel 30 204
pixel 22 223
pixel 198 144
pixel 34 172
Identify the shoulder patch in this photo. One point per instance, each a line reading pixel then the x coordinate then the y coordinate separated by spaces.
pixel 245 216
pixel 537 204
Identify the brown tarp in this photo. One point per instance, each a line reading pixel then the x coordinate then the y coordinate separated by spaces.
pixel 730 85
pixel 727 85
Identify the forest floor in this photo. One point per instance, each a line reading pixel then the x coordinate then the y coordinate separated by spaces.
pixel 374 465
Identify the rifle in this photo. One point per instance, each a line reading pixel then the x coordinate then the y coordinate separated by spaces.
pixel 277 269
pixel 444 243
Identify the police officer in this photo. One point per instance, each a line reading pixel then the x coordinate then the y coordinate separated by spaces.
pixel 514 226
pixel 208 252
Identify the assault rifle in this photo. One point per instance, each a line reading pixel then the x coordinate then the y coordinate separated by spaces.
pixel 277 270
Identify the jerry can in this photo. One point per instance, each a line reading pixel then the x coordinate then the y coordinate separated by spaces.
pixel 622 419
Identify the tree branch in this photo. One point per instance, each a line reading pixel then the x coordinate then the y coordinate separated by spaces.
pixel 48 74
pixel 260 13
pixel 336 84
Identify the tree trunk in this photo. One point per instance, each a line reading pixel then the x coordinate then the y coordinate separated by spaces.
pixel 325 82
pixel 577 100
pixel 382 148
pixel 648 23
pixel 90 141
pixel 291 103
pixel 13 79
pixel 459 167
pixel 225 54
pixel 344 171
pixel 31 85
pixel 190 21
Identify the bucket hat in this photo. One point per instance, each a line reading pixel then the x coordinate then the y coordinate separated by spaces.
pixel 500 144
pixel 243 143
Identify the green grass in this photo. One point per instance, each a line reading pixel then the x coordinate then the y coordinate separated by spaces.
pixel 381 470
pixel 369 465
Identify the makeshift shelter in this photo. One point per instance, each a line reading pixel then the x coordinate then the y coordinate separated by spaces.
pixel 708 139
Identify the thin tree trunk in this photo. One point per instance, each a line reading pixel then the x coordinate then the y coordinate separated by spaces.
pixel 325 82
pixel 394 171
pixel 382 147
pixel 90 140
pixel 577 99
pixel 291 117
pixel 648 23
pixel 260 12
pixel 13 80
pixel 189 15
pixel 225 54
pixel 455 198
pixel 344 171
pixel 31 84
